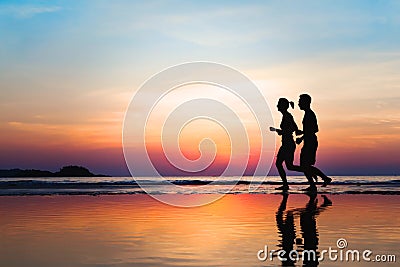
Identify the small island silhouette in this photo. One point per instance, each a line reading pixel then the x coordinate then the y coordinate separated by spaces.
pixel 66 171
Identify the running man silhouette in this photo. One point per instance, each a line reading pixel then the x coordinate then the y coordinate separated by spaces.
pixel 309 150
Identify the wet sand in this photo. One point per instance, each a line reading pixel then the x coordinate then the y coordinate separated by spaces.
pixel 136 230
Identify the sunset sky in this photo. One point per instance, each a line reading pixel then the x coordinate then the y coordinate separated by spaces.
pixel 68 70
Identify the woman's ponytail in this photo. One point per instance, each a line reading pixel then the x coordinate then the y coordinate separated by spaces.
pixel 291 104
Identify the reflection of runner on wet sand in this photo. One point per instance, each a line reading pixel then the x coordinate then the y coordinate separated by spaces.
pixel 285 220
pixel 286 228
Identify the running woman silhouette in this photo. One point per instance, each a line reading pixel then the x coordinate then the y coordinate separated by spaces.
pixel 288 147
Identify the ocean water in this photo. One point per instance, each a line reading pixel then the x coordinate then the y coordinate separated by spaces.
pixel 192 185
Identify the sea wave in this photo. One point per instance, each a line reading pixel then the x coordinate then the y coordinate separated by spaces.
pixel 191 185
pixel 40 183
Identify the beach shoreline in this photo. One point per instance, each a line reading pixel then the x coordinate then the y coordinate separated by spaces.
pixel 378 185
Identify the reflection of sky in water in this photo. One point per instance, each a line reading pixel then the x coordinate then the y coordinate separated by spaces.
pixel 135 230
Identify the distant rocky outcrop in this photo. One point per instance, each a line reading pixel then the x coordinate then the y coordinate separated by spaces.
pixel 67 171
pixel 25 173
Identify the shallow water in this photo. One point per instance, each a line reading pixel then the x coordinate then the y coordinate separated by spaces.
pixel 136 230
pixel 191 185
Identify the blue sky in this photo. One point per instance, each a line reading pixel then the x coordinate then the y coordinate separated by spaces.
pixel 75 64
pixel 250 32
